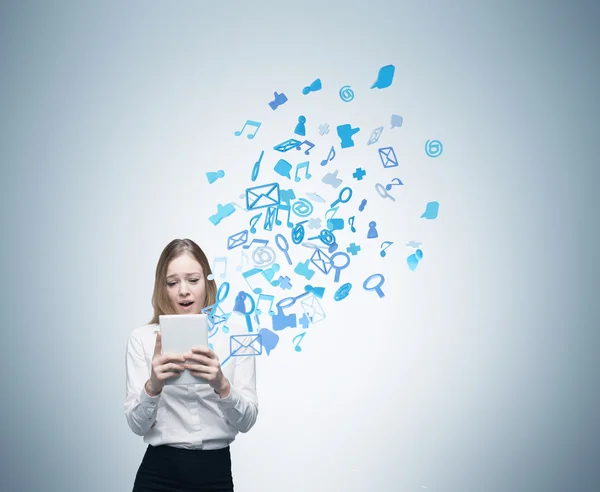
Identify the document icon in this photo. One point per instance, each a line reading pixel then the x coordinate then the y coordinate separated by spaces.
pixel 262 196
pixel 241 345
pixel 388 157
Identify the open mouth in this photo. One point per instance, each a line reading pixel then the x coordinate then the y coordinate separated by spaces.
pixel 186 304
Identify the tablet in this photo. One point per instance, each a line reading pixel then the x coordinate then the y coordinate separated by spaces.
pixel 179 333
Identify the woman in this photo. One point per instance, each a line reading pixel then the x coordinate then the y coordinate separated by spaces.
pixel 188 429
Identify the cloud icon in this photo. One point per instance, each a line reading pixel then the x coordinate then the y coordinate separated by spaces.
pixel 431 211
pixel 384 77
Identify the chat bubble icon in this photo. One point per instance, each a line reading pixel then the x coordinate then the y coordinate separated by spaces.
pixel 268 339
pixel 283 168
pixel 396 120
pixel 384 77
pixel 431 210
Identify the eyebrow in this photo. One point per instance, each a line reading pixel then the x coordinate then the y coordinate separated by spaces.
pixel 175 275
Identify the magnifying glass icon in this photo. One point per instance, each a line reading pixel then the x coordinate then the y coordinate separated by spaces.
pixel 339 268
pixel 240 307
pixel 285 247
pixel 341 198
pixel 376 288
pixel 382 193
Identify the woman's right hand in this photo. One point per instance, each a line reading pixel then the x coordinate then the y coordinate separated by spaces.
pixel 163 367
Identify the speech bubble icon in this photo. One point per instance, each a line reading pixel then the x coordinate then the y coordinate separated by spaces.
pixel 431 211
pixel 396 120
pixel 268 339
pixel 384 77
pixel 283 168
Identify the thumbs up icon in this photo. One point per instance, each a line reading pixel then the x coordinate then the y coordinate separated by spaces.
pixel 278 100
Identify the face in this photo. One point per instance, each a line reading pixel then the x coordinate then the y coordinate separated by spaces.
pixel 185 282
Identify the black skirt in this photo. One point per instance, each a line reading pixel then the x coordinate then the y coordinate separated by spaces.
pixel 170 469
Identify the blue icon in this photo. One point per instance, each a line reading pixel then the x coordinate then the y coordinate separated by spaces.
pixel 346 93
pixel 431 211
pixel 375 135
pixel 282 320
pixel 413 260
pixel 321 261
pixel 343 197
pixel 316 291
pixel 237 239
pixel 244 345
pixel 255 124
pixel 285 248
pixel 323 129
pixel 362 205
pixel 372 230
pixel 298 232
pixel 215 314
pixel 289 144
pixel 353 249
pixel 314 87
pixel 213 176
pixel 222 212
pixel 300 128
pixel 342 292
pixel 382 193
pixel 312 308
pixel 240 307
pixel 359 173
pixel 396 121
pixel 262 196
pixel 284 282
pixel 345 133
pixel 302 207
pixel 339 268
pixel 434 148
pixel 283 168
pixel 256 167
pixel 388 157
pixel 269 340
pixel 278 100
pixel 304 270
pixel 325 236
pixel 335 224
pixel 332 179
pixel 395 182
pixel 376 288
pixel 384 77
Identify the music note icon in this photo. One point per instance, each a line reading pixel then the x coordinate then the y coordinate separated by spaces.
pixel 300 166
pixel 309 144
pixel 329 157
pixel 265 297
pixel 351 223
pixel 253 222
pixel 220 259
pixel 383 253
pixel 298 348
pixel 251 123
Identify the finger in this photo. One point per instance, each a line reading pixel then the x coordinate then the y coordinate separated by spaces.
pixel 158 345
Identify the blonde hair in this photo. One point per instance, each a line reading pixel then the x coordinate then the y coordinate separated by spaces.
pixel 161 302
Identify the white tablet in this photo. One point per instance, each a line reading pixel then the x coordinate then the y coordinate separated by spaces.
pixel 179 333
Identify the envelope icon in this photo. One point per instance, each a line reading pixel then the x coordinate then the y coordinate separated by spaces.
pixel 388 157
pixel 262 196
pixel 321 261
pixel 241 345
pixel 312 308
pixel 237 239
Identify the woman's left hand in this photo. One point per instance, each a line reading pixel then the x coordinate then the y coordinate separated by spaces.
pixel 203 362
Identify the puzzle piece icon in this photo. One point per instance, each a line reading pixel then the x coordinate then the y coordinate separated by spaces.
pixel 284 282
pixel 304 321
pixel 222 212
pixel 332 179
pixel 278 100
pixel 353 249
pixel 359 173
pixel 314 223
pixel 303 269
pixel 323 129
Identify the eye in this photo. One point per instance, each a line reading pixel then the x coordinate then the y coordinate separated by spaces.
pixel 171 284
pixel 195 280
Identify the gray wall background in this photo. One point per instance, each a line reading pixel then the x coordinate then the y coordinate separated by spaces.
pixel 479 371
